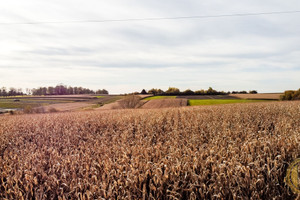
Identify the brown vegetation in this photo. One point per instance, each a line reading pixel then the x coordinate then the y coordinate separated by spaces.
pixel 66 106
pixel 130 101
pixel 213 152
pixel 30 110
pixel 110 106
pixel 271 96
pixel 88 102
pixel 165 103
pixel 291 95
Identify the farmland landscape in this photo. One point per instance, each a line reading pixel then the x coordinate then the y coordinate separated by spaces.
pixel 62 103
pixel 151 100
pixel 57 103
pixel 234 151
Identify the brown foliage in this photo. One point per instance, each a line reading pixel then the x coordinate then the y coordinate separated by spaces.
pixel 31 110
pixel 130 101
pixel 212 152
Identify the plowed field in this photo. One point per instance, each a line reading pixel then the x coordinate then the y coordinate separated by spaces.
pixel 165 103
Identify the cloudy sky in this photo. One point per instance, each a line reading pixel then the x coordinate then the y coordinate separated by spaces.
pixel 259 52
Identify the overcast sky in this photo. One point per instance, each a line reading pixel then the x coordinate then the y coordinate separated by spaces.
pixel 227 53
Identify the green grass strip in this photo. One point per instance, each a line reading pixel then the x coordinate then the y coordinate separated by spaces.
pixel 160 97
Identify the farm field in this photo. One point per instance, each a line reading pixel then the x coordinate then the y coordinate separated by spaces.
pixel 198 102
pixel 208 97
pixel 11 103
pixel 271 96
pixel 159 97
pixel 165 103
pixel 62 103
pixel 204 152
pixel 62 107
pixel 57 102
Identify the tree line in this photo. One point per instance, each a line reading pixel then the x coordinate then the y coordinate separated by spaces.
pixel 57 90
pixel 209 91
pixel 11 91
pixel 291 95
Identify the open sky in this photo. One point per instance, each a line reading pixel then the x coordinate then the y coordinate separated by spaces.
pixel 260 52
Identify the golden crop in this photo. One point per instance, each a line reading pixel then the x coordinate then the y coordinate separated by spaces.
pixel 237 151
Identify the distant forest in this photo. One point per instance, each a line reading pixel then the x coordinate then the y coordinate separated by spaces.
pixel 176 91
pixel 57 90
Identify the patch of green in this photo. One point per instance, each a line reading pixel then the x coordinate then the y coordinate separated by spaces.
pixel 19 96
pixel 198 102
pixel 98 97
pixel 48 101
pixel 8 105
pixel 22 103
pixel 160 97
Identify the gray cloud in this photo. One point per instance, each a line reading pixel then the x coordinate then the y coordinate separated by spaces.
pixel 229 53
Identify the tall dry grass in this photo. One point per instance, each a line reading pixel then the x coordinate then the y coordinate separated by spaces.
pixel 213 152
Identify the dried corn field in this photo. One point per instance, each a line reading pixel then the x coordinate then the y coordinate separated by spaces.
pixel 212 152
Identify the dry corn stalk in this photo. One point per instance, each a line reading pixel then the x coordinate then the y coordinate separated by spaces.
pixel 213 152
